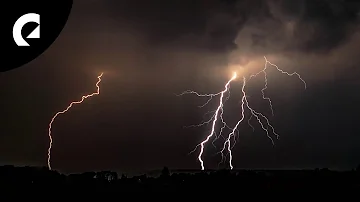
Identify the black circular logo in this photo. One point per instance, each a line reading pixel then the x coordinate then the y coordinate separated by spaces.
pixel 29 28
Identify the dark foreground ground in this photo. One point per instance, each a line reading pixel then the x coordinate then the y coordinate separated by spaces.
pixel 318 180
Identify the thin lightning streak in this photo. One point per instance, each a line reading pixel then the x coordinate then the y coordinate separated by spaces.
pixel 64 111
pixel 209 112
pixel 257 115
pixel 265 86
pixel 284 72
pixel 224 125
pixel 250 123
pixel 211 96
pixel 266 80
pixel 203 123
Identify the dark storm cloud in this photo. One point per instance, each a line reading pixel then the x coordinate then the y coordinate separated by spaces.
pixel 334 23
pixel 189 22
pixel 216 28
pixel 312 25
pixel 299 26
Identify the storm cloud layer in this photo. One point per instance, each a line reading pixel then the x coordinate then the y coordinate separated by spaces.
pixel 232 32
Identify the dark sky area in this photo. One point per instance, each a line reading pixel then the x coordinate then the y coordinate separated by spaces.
pixel 151 50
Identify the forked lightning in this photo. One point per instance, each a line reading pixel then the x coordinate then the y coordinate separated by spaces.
pixel 261 118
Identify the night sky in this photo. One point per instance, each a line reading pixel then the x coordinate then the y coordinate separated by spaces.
pixel 151 50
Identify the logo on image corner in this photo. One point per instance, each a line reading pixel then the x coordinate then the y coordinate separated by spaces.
pixel 29 29
pixel 19 24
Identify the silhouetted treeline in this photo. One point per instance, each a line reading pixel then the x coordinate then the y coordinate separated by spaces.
pixel 34 178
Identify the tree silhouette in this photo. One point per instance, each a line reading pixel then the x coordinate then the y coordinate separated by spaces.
pixel 107 175
pixel 33 178
pixel 123 177
pixel 165 172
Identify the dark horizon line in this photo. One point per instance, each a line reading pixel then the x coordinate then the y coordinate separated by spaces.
pixel 157 171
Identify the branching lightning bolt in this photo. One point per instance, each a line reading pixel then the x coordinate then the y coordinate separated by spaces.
pixel 64 111
pixel 266 80
pixel 214 118
pixel 261 118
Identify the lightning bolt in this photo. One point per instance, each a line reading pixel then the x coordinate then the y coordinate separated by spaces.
pixel 214 118
pixel 64 111
pixel 245 105
pixel 227 142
